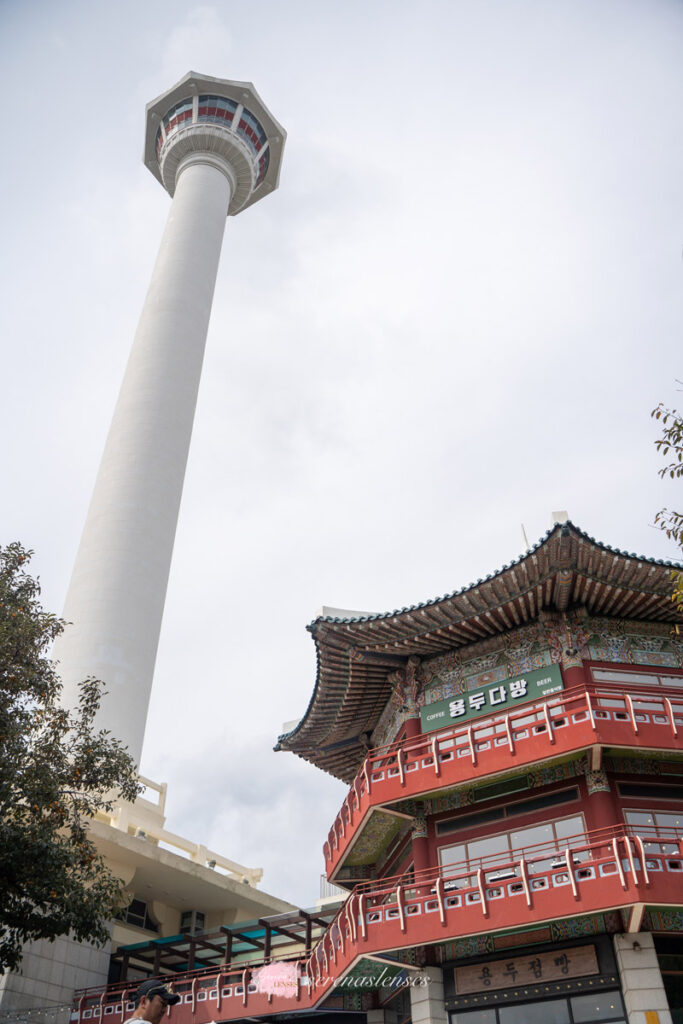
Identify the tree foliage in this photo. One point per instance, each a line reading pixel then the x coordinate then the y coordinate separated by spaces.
pixel 670 445
pixel 56 772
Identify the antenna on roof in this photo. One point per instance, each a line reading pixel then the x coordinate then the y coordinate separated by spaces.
pixel 524 538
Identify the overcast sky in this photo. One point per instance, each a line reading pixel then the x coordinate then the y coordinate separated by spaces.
pixel 453 317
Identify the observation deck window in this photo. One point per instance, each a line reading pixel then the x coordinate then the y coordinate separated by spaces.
pixel 178 115
pixel 264 160
pixel 251 131
pixel 216 109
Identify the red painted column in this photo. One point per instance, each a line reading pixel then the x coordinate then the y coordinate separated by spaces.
pixel 599 809
pixel 573 671
pixel 413 727
pixel 420 849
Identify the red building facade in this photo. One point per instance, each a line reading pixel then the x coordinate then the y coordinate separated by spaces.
pixel 512 837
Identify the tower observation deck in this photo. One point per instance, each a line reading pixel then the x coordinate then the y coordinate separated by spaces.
pixel 214 119
pixel 216 149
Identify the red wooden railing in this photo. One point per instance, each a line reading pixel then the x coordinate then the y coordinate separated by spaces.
pixel 563 723
pixel 603 870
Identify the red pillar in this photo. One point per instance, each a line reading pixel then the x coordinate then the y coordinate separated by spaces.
pixel 413 727
pixel 600 809
pixel 420 850
pixel 574 672
pixel 420 853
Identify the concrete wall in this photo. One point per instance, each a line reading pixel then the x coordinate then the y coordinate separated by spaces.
pixel 50 971
pixel 641 979
pixel 427 1002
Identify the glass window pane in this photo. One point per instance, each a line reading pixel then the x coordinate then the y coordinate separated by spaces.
pixel 487 847
pixel 616 676
pixel 452 854
pixel 570 827
pixel 669 820
pixel 554 1011
pixel 474 1017
pixel 532 836
pixel 596 1006
pixel 640 704
pixel 639 818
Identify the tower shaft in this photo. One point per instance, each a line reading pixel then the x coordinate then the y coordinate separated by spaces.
pixel 216 149
pixel 117 592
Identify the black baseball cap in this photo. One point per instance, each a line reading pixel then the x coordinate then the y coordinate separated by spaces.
pixel 153 987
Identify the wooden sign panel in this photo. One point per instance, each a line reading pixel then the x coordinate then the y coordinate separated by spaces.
pixel 526 970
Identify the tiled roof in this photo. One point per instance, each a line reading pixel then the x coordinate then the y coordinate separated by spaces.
pixel 566 569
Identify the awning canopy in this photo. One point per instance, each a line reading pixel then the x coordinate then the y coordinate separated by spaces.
pixel 247 940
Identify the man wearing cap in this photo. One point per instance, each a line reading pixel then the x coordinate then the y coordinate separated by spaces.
pixel 151 1000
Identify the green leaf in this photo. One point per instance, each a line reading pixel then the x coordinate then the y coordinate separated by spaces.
pixel 55 774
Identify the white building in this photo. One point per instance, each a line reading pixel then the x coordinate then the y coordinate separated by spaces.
pixel 174 886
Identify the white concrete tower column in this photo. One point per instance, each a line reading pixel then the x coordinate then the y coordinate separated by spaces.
pixel 216 149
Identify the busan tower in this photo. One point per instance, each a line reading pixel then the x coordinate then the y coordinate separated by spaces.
pixel 216 149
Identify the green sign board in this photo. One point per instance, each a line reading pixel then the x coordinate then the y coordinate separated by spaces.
pixel 493 697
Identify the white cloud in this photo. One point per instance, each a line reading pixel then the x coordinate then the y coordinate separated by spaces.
pixel 199 40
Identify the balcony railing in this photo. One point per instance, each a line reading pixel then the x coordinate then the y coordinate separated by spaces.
pixel 591 873
pixel 533 732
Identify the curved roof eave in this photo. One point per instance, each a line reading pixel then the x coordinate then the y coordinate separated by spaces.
pixel 568 525
pixel 325 707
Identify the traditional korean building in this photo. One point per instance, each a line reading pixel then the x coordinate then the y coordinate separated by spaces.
pixel 512 837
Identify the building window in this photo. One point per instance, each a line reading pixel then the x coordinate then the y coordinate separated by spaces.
pixel 670 958
pixel 535 803
pixel 137 913
pixel 666 825
pixel 545 840
pixel 614 675
pixel 651 791
pixel 596 1006
pixel 191 922
pixel 469 821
